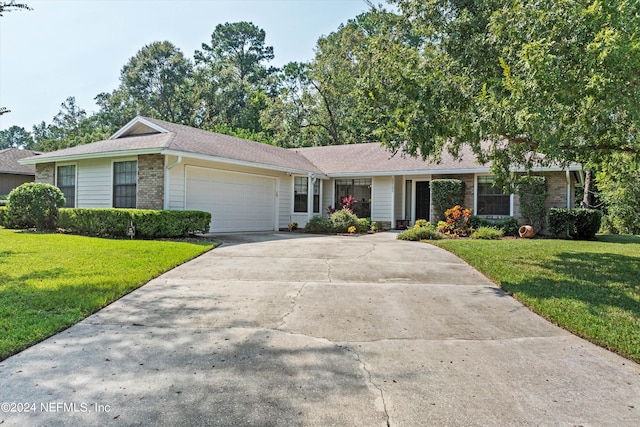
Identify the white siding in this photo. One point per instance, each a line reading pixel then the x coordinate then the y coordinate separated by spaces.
pixel 398 197
pixel 286 202
pixel 382 198
pixel 94 186
pixel 327 196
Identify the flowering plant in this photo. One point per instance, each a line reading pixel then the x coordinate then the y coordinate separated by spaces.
pixel 456 222
pixel 347 202
pixel 351 229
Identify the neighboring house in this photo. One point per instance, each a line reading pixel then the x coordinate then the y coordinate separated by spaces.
pixel 249 186
pixel 12 173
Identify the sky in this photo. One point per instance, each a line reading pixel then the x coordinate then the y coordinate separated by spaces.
pixel 78 47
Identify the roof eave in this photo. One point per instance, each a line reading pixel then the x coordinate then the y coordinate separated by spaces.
pixel 119 153
pixel 237 162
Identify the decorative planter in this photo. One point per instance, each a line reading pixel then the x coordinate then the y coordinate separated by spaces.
pixel 526 231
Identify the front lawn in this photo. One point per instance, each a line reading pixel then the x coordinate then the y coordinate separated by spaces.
pixel 51 281
pixel 591 288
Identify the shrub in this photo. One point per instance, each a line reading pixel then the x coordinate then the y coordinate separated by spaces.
pixel 580 224
pixel 421 223
pixel 364 225
pixel 3 217
pixel 375 227
pixel 446 193
pixel 420 233
pixel 487 233
pixel 508 225
pixel 532 193
pixel 343 219
pixel 456 222
pixel 147 223
pixel 318 224
pixel 34 204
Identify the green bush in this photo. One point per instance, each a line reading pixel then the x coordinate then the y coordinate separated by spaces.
pixel 532 193
pixel 147 223
pixel 318 225
pixel 579 224
pixel 4 217
pixel 364 224
pixel 343 219
pixel 487 233
pixel 508 225
pixel 420 233
pixel 420 223
pixel 34 204
pixel 446 193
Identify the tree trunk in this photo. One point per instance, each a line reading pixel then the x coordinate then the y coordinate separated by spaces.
pixel 586 195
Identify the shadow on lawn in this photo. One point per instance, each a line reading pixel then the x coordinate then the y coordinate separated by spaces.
pixel 597 279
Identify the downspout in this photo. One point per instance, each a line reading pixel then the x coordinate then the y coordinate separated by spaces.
pixel 166 178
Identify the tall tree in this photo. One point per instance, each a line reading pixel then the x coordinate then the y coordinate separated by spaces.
pixel 232 76
pixel 159 81
pixel 15 137
pixel 70 127
pixel 558 78
pixel 320 103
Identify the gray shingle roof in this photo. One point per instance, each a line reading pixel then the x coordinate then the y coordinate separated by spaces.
pixel 9 161
pixel 198 141
pixel 177 139
pixel 373 157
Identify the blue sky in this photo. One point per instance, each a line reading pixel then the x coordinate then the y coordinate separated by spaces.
pixel 77 47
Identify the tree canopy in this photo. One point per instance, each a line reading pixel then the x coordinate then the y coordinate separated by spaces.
pixel 539 81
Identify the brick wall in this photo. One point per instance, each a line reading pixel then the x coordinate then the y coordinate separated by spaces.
pixel 46 173
pixel 151 181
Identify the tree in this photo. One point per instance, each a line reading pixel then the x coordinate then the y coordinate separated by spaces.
pixel 70 127
pixel 619 188
pixel 15 137
pixel 522 82
pixel 232 77
pixel 320 102
pixel 159 82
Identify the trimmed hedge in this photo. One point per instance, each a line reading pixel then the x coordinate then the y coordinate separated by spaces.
pixel 578 223
pixel 147 223
pixel 446 193
pixel 508 225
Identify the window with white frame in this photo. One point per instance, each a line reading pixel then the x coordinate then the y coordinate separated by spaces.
pixel 301 194
pixel 125 178
pixel 491 200
pixel 66 181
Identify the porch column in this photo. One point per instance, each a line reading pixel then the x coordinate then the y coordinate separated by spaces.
pixel 310 180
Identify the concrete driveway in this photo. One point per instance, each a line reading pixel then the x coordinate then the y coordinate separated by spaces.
pixel 287 329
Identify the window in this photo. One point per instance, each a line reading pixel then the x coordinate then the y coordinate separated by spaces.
pixel 491 200
pixel 66 180
pixel 360 189
pixel 301 192
pixel 124 184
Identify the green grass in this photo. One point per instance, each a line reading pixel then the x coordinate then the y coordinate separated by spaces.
pixel 591 288
pixel 51 281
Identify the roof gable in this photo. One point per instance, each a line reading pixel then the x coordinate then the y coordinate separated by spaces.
pixel 139 126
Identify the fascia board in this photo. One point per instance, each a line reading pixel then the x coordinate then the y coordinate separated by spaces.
pixel 236 162
pixel 105 154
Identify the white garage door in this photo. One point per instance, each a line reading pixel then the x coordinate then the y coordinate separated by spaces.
pixel 237 201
